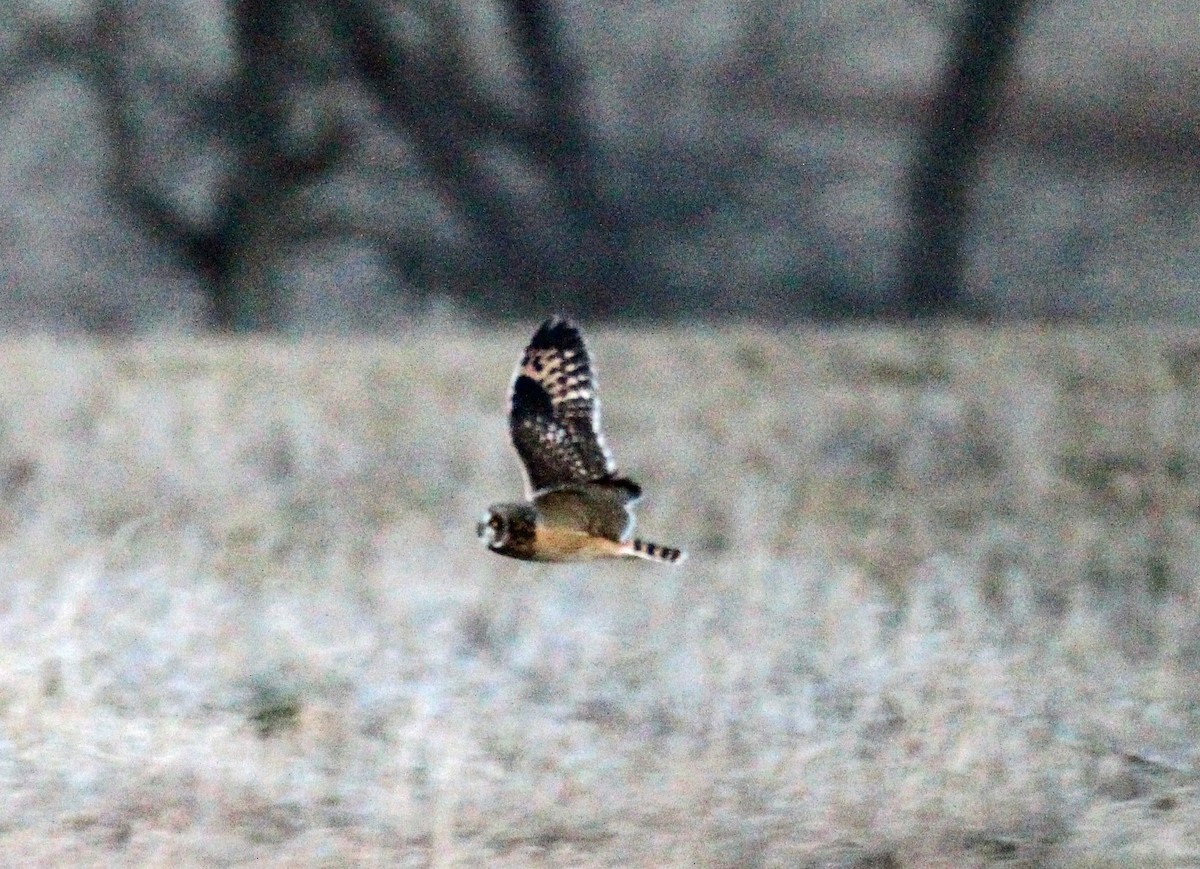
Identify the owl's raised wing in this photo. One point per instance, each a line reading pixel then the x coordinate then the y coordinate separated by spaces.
pixel 554 412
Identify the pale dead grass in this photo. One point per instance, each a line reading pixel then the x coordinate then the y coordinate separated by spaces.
pixel 941 608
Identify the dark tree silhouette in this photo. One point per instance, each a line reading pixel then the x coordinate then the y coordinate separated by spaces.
pixel 945 168
pixel 569 249
pixel 441 120
pixel 545 235
pixel 600 229
pixel 264 169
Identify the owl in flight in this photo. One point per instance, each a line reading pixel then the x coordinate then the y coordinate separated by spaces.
pixel 578 508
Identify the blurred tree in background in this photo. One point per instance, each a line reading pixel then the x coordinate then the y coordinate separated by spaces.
pixel 358 163
pixel 524 179
pixel 944 167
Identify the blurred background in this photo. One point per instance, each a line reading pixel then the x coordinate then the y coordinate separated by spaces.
pixel 374 164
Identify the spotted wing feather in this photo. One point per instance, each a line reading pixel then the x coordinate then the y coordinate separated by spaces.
pixel 554 412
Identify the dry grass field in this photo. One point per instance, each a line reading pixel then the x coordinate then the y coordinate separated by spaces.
pixel 942 606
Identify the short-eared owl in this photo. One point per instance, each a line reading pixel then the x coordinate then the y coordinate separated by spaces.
pixel 578 508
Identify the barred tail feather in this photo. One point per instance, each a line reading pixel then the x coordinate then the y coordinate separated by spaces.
pixel 654 552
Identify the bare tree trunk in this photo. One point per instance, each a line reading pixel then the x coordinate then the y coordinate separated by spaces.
pixel 245 299
pixel 946 164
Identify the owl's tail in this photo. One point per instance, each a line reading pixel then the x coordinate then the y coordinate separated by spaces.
pixel 654 552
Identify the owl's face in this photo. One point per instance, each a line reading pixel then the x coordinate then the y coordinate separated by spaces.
pixel 493 529
pixel 507 528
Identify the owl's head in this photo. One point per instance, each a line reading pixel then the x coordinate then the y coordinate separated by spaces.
pixel 508 529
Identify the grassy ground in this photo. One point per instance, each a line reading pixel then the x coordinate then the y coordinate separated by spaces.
pixel 941 609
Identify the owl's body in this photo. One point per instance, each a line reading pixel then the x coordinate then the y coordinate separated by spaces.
pixel 578 508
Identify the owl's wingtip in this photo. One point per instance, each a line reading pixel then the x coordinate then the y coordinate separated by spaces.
pixel 557 331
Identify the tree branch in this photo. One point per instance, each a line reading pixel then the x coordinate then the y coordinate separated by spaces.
pixel 443 140
pixel 124 173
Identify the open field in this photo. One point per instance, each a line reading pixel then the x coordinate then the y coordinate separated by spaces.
pixel 942 606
